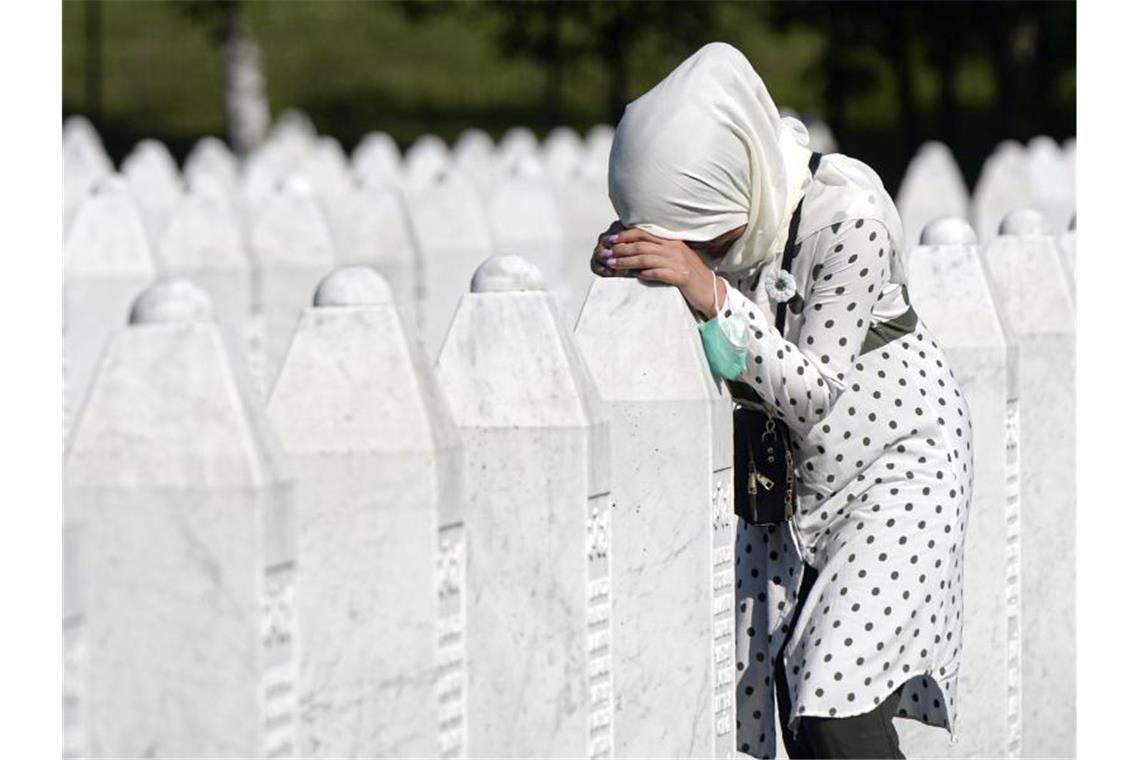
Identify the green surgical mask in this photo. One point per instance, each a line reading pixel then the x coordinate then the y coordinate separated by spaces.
pixel 725 359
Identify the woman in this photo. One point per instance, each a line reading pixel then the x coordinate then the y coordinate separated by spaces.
pixel 850 610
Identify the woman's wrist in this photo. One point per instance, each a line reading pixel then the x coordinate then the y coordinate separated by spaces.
pixel 711 298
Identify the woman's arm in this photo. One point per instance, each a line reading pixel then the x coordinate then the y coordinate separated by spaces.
pixel 802 382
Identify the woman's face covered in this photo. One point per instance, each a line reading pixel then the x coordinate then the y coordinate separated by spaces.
pixel 703 154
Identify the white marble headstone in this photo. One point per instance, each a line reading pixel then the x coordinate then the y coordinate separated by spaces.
pixel 211 168
pixel 538 518
pixel 180 525
pixel 673 526
pixel 1002 186
pixel 293 126
pixel 1030 284
pixel 597 149
pixel 426 161
pixel 259 175
pixel 585 211
pixel 153 178
pixel 376 457
pixel 952 294
pixel 562 153
pixel 932 187
pixel 1051 181
pixel 292 249
pixel 377 161
pixel 517 143
pixel 203 243
pixel 81 142
pixel 85 162
pixel 474 153
pixel 326 167
pixel 450 225
pixel 370 225
pixel 523 215
pixel 106 262
pixel 1067 246
pixel 820 137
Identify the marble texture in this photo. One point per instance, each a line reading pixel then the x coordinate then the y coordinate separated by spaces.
pixel 1067 247
pixel 537 515
pixel 106 262
pixel 950 290
pixel 671 433
pixel 1029 283
pixel 292 249
pixel 181 558
pixel 451 227
pixel 377 462
pixel 932 187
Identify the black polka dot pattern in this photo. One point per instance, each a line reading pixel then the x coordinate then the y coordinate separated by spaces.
pixel 882 442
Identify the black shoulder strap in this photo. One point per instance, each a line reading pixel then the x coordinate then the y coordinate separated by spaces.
pixel 790 246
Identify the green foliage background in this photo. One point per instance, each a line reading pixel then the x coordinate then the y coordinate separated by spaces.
pixel 411 68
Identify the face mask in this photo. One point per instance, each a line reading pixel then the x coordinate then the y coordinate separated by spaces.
pixel 727 357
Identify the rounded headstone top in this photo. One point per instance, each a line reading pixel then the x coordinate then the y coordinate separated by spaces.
pixel 353 286
pixel 948 230
pixel 172 300
pixel 502 274
pixel 1024 221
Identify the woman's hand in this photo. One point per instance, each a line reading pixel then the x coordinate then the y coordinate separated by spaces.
pixel 670 261
pixel 602 253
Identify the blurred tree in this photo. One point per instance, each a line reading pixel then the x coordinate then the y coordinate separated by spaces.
pixel 851 30
pixel 93 50
pixel 610 31
pixel 559 35
pixel 1028 45
pixel 247 110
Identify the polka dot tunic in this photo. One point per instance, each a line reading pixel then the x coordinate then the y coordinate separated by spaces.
pixel 882 443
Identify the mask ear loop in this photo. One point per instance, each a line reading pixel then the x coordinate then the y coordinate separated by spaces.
pixel 716 308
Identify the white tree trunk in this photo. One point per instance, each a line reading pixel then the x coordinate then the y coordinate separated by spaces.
pixel 247 108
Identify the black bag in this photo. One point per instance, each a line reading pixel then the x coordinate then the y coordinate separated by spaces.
pixel 765 480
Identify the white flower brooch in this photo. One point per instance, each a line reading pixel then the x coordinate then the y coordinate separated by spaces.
pixel 780 285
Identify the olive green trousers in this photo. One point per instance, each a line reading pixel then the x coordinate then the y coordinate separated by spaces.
pixel 870 735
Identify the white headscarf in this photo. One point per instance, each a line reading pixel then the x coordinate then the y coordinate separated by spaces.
pixel 705 151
